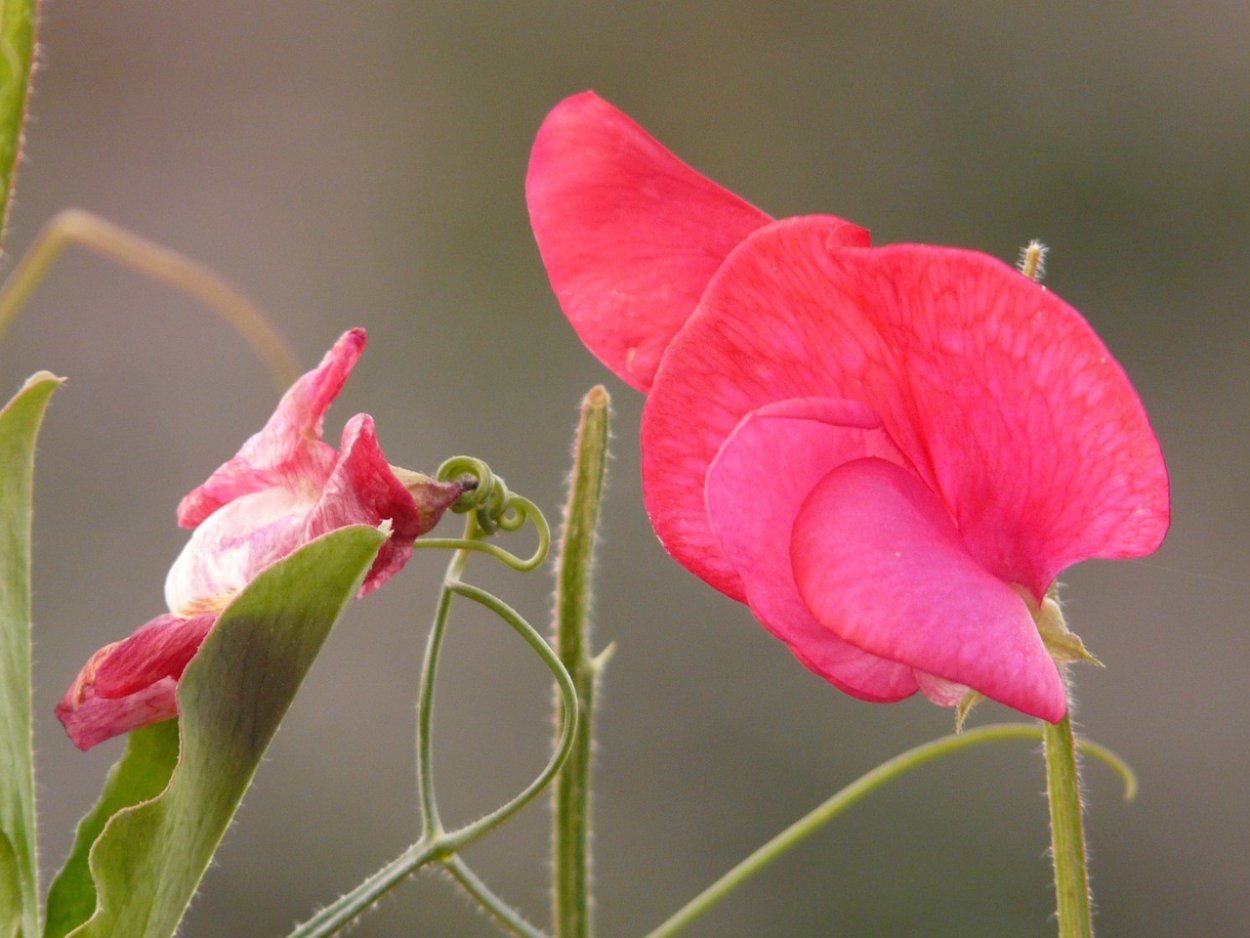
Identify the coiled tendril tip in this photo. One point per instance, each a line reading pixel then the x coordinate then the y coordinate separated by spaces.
pixel 495 508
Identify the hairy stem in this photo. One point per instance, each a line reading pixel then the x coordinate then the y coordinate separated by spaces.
pixel 571 819
pixel 1063 789
pixel 897 767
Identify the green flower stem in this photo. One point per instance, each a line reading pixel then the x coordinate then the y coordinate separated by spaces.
pixel 571 819
pixel 1063 789
pixel 340 913
pixel 503 914
pixel 568 718
pixel 430 822
pixel 900 765
pixel 436 844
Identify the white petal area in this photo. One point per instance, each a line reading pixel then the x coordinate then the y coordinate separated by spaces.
pixel 232 546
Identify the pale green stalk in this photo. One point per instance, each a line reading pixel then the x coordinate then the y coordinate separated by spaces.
pixel 1063 790
pixel 437 845
pixel 900 765
pixel 572 909
pixel 75 226
pixel 503 914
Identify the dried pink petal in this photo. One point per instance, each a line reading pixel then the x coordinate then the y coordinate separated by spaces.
pixel 285 487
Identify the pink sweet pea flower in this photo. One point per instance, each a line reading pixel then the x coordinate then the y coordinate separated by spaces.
pixel 285 487
pixel 889 454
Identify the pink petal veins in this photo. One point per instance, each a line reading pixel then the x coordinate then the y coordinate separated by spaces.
pixel 161 648
pixel 95 719
pixel 630 234
pixel 754 490
pixel 880 564
pixel 288 452
pixel 999 395
pixel 131 683
pixel 362 489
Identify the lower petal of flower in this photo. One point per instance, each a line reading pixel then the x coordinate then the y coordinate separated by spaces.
pixel 940 691
pixel 879 563
pixel 93 719
pixel 161 648
pixel 755 488
pixel 132 683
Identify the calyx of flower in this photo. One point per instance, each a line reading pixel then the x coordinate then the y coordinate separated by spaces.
pixel 1064 645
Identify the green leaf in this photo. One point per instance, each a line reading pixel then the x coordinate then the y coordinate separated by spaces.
pixel 140 775
pixel 150 858
pixel 10 888
pixel 17 48
pixel 19 426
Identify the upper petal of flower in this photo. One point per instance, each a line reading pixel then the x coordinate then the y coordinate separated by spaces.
pixel 288 452
pixel 630 234
pixel 755 488
pixel 880 564
pixel 999 395
pixel 363 489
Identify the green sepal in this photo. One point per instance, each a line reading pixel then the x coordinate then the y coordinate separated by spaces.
pixel 18 19
pixel 149 859
pixel 19 863
pixel 139 775
pixel 1064 645
pixel 965 707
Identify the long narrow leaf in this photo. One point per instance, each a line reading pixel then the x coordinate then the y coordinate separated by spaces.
pixel 19 866
pixel 18 19
pixel 150 858
pixel 140 775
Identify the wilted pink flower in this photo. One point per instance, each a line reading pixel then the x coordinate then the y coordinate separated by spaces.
pixel 285 487
pixel 889 454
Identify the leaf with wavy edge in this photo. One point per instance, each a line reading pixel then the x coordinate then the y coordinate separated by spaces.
pixel 140 775
pixel 150 858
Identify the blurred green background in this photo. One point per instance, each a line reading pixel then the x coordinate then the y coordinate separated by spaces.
pixel 362 164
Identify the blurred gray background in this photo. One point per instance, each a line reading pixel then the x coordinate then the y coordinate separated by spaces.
pixel 362 164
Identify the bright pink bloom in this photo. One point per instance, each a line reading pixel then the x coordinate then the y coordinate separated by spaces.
pixel 285 487
pixel 889 454
pixel 629 233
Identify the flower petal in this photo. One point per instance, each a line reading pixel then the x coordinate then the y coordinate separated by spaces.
pixel 161 648
pixel 95 719
pixel 131 683
pixel 362 489
pixel 999 394
pixel 879 563
pixel 288 452
pixel 630 234
pixel 233 545
pixel 754 490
